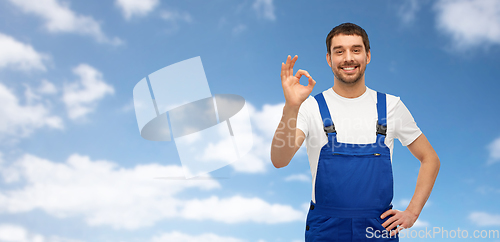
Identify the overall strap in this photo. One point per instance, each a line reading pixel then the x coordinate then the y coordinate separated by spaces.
pixel 329 127
pixel 382 113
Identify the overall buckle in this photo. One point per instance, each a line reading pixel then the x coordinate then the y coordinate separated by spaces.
pixel 330 129
pixel 381 129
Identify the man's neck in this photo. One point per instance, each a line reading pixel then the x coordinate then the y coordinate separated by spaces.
pixel 349 91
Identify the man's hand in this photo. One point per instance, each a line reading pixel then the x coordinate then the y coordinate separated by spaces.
pixel 402 219
pixel 287 138
pixel 295 93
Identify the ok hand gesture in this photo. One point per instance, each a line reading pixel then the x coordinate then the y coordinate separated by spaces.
pixel 295 93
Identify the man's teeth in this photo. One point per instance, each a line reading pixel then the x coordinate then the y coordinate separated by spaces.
pixel 348 68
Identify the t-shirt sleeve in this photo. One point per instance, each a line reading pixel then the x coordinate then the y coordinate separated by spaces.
pixel 406 129
pixel 302 117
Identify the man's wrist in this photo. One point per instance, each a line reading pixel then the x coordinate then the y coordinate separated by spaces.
pixel 290 108
pixel 412 212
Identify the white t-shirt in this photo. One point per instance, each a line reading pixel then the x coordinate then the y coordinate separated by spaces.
pixel 355 121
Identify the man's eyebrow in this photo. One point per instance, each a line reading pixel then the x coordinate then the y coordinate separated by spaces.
pixel 340 47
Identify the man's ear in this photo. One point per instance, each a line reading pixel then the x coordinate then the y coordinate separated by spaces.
pixel 329 60
pixel 368 57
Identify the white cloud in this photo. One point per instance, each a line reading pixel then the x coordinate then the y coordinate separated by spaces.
pixel 132 8
pixel 469 23
pixel 21 120
pixel 306 206
pixel 81 97
pixel 239 209
pixel 408 9
pixel 403 203
pixel 484 219
pixel 19 55
pixel 34 95
pixel 264 9
pixel 129 106
pixel 268 118
pixel 264 123
pixel 175 16
pixel 494 148
pixel 59 17
pixel 105 194
pixel 487 189
pixel 253 162
pixel 421 224
pixel 239 29
pixel 47 87
pixel 15 233
pixel 180 237
pixel 99 191
pixel 12 233
pixel 298 177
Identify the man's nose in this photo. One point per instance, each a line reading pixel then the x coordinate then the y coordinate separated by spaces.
pixel 348 57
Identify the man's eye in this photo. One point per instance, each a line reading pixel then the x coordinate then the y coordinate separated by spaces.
pixel 338 52
pixel 356 51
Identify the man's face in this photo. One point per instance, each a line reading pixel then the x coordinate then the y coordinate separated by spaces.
pixel 348 58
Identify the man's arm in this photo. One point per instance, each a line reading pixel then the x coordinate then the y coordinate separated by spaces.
pixel 429 168
pixel 287 138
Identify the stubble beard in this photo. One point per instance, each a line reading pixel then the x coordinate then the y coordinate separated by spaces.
pixel 351 80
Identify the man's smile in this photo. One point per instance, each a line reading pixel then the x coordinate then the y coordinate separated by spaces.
pixel 349 69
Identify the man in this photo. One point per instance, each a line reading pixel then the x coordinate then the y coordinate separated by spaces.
pixel 349 131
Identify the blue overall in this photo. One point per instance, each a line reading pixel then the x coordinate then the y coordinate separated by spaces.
pixel 354 185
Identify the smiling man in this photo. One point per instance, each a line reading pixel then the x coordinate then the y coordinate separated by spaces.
pixel 349 131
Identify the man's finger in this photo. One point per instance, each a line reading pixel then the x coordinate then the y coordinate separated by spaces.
pixel 301 73
pixel 293 62
pixel 387 213
pixel 393 225
pixel 287 66
pixel 389 221
pixel 282 71
pixel 311 84
pixel 394 232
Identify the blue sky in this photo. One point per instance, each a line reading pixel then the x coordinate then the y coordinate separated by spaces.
pixel 73 166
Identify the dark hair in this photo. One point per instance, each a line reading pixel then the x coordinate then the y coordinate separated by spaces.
pixel 347 29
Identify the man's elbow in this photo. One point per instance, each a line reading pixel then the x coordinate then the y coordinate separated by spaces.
pixel 435 160
pixel 438 163
pixel 432 161
pixel 278 163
